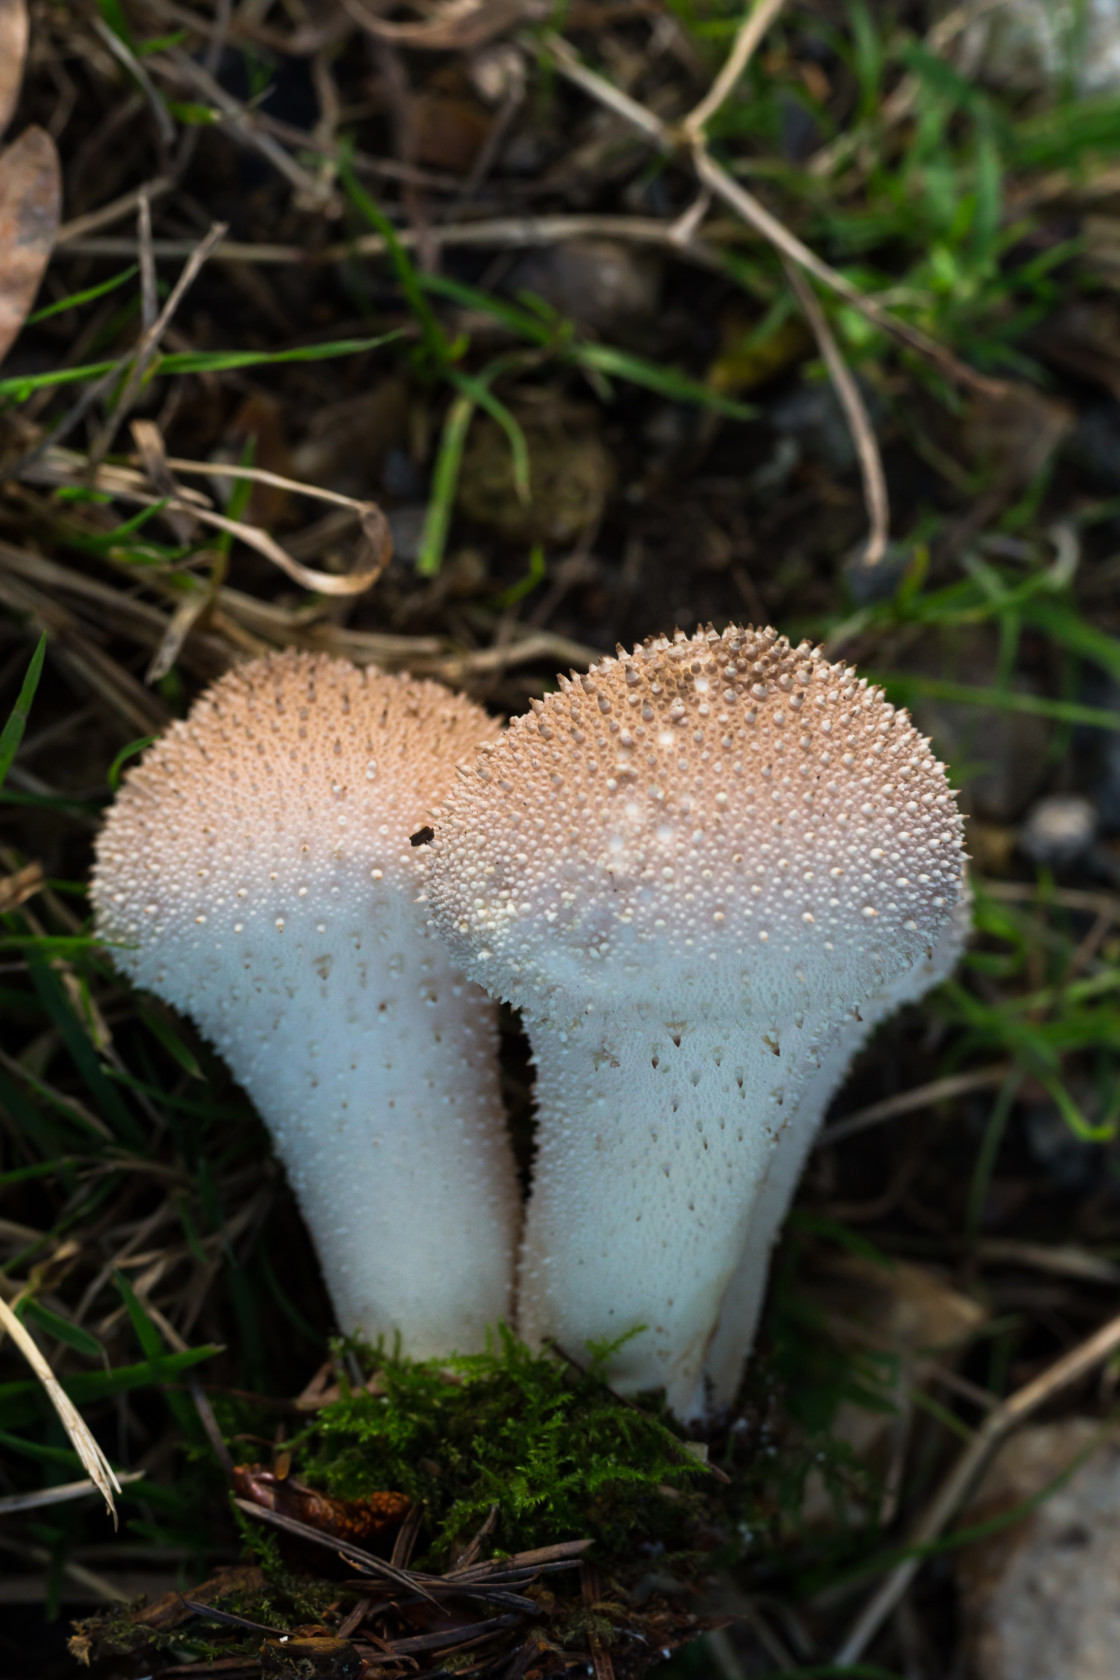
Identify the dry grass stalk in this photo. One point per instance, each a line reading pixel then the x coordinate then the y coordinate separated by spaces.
pixel 57 466
pixel 910 1102
pixel 505 233
pixel 753 212
pixel 148 347
pixel 747 38
pixel 101 1472
pixel 855 412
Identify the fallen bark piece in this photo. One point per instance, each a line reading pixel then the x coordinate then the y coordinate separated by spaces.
pixel 1042 1596
pixel 30 206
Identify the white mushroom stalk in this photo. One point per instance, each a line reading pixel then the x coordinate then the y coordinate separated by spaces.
pixel 256 872
pixel 703 873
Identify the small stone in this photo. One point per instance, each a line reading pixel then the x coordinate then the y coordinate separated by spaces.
pixel 407 526
pixel 870 584
pixel 1058 830
pixel 1069 1160
pixel 497 73
pixel 600 284
pixel 1035 44
pixel 812 415
pixel 1042 1597
pixel 571 473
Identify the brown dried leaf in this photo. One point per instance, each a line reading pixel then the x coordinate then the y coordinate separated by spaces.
pixel 449 133
pixel 459 25
pixel 30 205
pixel 18 888
pixel 13 52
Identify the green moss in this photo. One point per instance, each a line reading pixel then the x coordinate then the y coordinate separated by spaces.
pixel 557 1453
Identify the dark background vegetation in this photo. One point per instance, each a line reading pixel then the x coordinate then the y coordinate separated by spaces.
pixel 682 457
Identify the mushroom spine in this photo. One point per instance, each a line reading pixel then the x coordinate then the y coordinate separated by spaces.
pixel 256 872
pixel 703 872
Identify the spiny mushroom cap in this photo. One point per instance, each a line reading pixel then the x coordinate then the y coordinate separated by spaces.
pixel 289 774
pixel 722 812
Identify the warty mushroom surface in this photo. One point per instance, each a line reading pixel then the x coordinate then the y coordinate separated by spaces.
pixel 703 872
pixel 256 872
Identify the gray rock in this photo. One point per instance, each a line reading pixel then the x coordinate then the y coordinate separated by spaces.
pixel 869 584
pixel 1095 444
pixel 596 282
pixel 1059 830
pixel 1069 1160
pixel 1042 1597
pixel 1036 44
pixel 407 526
pixel 812 414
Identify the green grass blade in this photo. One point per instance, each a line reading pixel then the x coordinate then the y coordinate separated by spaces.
pixel 151 1344
pixel 434 339
pixel 667 382
pixel 58 1006
pixel 12 733
pixel 445 480
pixel 537 573
pixel 23 1401
pixel 478 391
pixel 904 689
pixel 1063 623
pixel 61 1328
pixel 138 746
pixel 197 361
pixel 76 300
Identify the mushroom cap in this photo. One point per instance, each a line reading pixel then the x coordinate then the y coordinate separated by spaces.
pixel 290 773
pixel 723 815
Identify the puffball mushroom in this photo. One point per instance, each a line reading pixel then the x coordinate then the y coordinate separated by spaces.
pixel 702 872
pixel 256 872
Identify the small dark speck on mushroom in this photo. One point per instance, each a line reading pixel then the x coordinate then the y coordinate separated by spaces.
pixel 423 836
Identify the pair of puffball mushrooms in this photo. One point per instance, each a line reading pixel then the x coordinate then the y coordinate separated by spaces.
pixel 703 872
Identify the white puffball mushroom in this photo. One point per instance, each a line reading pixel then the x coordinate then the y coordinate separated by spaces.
pixel 703 872
pixel 256 872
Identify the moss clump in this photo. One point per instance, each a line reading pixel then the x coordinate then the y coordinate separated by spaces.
pixel 557 1453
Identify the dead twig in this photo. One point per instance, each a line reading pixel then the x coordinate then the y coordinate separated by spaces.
pixel 60 1495
pixel 909 1102
pixel 855 412
pixel 67 467
pixel 101 1472
pixel 713 176
pixel 138 73
pixel 750 32
pixel 146 350
pixel 1070 1368
pixel 510 233
pixel 489 1583
pixel 179 66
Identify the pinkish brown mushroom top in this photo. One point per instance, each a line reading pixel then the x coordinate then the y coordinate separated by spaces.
pixel 727 809
pixel 290 771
